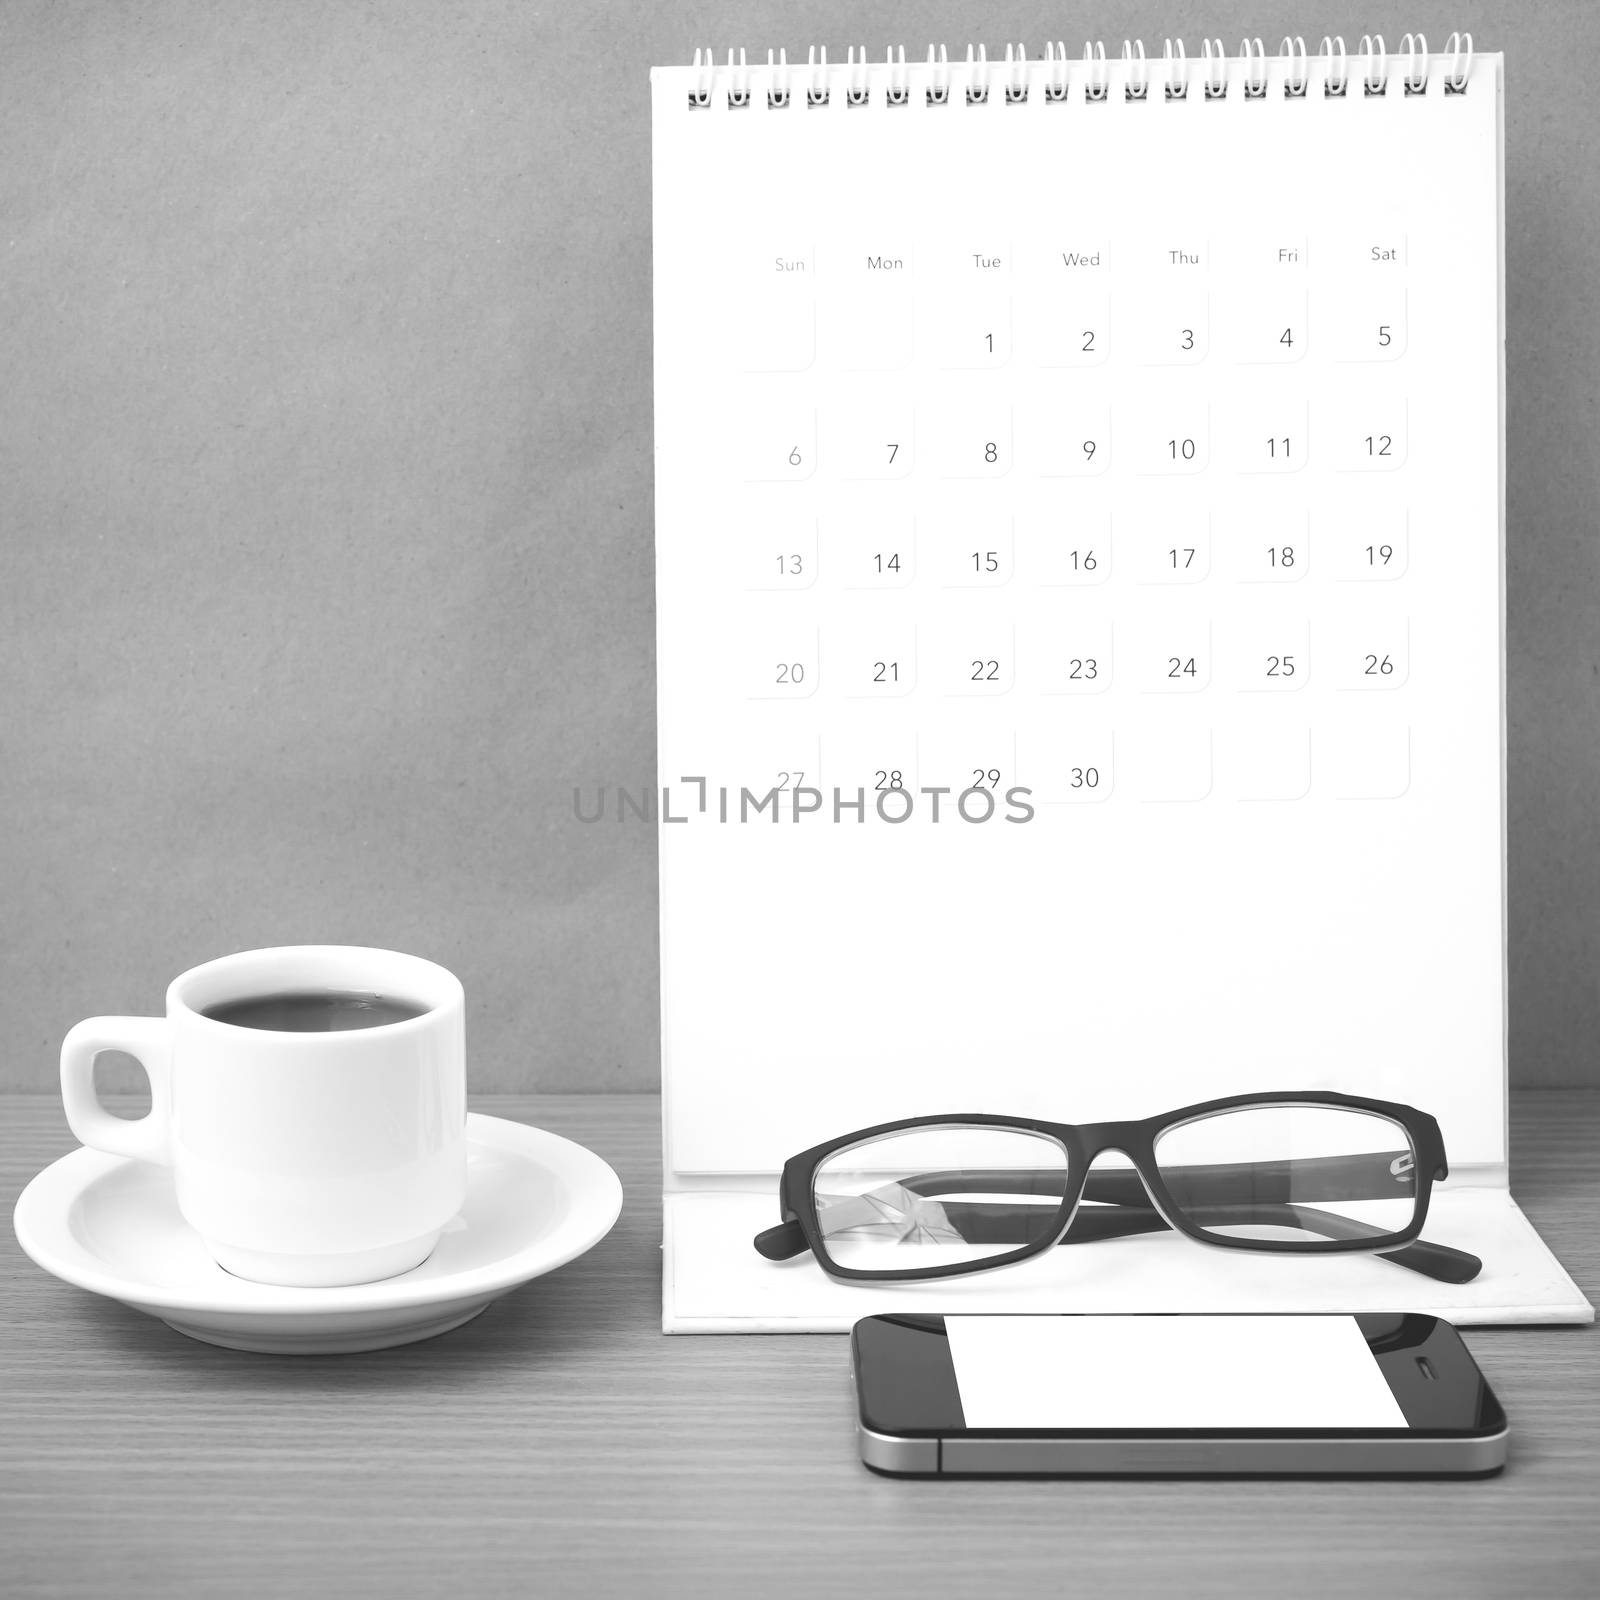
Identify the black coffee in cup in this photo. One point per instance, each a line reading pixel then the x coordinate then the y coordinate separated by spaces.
pixel 314 1011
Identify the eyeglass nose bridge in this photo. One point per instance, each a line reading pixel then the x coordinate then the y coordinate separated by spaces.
pixel 1123 1186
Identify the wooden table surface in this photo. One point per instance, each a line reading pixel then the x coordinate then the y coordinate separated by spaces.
pixel 560 1445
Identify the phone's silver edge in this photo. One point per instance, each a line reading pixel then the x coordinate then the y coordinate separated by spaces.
pixel 1184 1453
pixel 890 1452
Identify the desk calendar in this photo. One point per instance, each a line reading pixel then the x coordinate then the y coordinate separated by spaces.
pixel 1079 550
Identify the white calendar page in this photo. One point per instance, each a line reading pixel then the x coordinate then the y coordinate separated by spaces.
pixel 1133 469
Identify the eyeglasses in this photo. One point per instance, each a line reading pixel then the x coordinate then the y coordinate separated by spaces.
pixel 1302 1174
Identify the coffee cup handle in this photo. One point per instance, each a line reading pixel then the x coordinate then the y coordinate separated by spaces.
pixel 146 1138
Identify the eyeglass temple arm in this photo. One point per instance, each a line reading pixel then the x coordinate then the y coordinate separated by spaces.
pixel 1246 1187
pixel 981 1222
pixel 1337 1178
pixel 1377 1175
pixel 1438 1261
pixel 1372 1175
pixel 974 1220
pixel 1369 1176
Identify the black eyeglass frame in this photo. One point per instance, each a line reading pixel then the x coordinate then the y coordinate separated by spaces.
pixel 1082 1144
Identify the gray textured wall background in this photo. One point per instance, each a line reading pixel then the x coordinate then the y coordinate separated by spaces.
pixel 325 492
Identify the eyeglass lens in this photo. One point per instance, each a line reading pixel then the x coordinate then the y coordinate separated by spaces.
pixel 933 1197
pixel 1297 1173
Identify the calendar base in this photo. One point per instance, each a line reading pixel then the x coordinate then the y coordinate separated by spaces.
pixel 714 1282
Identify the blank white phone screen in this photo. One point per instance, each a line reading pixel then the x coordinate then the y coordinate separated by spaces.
pixel 1168 1372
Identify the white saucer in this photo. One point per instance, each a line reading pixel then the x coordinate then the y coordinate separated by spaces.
pixel 111 1225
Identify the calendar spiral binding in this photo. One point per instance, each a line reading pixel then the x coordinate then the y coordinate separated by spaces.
pixel 1213 73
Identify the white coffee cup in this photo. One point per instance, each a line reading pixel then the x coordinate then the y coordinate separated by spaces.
pixel 311 1159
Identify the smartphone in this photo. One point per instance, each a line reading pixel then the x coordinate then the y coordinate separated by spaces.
pixel 1388 1395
